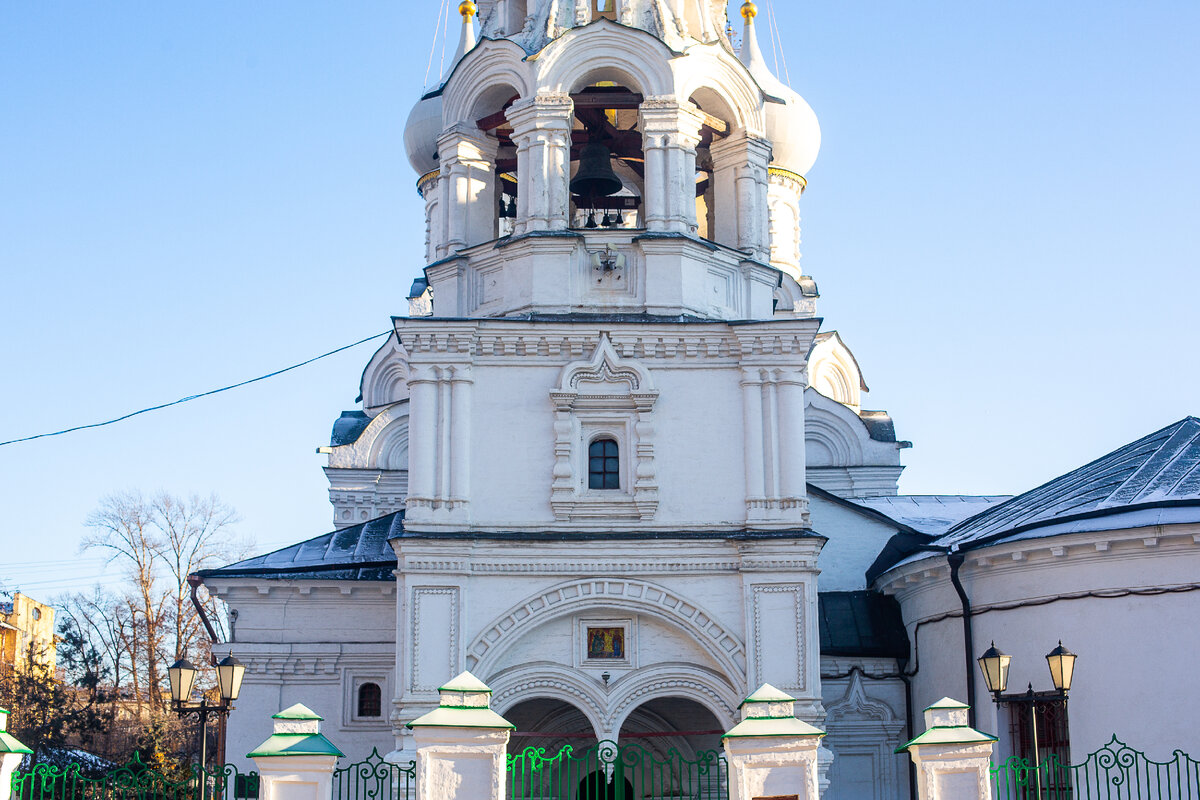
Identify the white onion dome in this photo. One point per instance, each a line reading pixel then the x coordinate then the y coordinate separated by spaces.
pixel 424 124
pixel 421 133
pixel 792 126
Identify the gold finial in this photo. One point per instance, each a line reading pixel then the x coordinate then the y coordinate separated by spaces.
pixel 749 10
pixel 467 9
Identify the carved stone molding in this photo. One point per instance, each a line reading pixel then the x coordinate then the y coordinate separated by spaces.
pixel 593 594
pixel 612 397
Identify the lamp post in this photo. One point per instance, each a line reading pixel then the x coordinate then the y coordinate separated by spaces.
pixel 994 665
pixel 182 676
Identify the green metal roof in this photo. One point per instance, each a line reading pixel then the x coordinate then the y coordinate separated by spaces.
pixel 10 745
pixel 955 734
pixel 298 711
pixel 768 694
pixel 772 726
pixel 465 682
pixel 948 703
pixel 461 718
pixel 296 744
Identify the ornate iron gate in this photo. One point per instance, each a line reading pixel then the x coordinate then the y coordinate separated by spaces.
pixel 134 781
pixel 607 771
pixel 375 779
pixel 1114 772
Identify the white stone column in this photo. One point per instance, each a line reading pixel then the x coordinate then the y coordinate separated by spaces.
pixel 670 133
pixel 461 745
pixel 542 134
pixel 11 753
pixel 771 753
pixel 297 761
pixel 953 760
pixel 468 187
pixel 740 193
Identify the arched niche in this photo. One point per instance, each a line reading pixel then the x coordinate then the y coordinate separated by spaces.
pixel 678 712
pixel 721 645
pixel 385 378
pixel 719 81
pixel 605 51
pixel 494 69
pixel 833 371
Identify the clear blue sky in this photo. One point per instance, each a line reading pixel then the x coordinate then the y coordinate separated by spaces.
pixel 1002 223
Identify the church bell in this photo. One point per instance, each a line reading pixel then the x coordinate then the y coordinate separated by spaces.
pixel 595 176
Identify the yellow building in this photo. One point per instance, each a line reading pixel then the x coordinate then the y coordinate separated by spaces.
pixel 25 625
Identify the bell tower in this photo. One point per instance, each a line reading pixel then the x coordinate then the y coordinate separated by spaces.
pixel 601 381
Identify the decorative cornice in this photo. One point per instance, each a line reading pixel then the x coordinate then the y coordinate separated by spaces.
pixel 787 174
pixel 427 179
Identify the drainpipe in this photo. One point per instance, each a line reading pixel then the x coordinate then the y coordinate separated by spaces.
pixel 955 560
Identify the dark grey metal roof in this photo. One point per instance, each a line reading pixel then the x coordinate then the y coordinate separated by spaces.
pixel 1156 471
pixel 865 624
pixel 360 552
pixel 879 425
pixel 348 427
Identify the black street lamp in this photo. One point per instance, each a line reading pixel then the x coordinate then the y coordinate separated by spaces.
pixel 182 676
pixel 994 665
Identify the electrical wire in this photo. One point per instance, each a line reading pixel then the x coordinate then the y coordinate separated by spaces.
pixel 433 44
pixel 194 396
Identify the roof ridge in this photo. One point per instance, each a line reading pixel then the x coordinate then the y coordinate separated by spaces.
pixel 1015 513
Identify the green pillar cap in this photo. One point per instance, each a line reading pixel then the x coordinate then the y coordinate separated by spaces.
pixel 8 744
pixel 297 733
pixel 946 724
pixel 770 712
pixel 465 703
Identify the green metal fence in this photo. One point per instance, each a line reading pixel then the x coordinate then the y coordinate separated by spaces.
pixel 1114 772
pixel 375 779
pixel 134 781
pixel 607 771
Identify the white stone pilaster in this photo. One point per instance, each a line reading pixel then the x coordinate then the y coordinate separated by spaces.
pixel 670 133
pixel 422 441
pixel 752 437
pixel 542 135
pixel 461 384
pixel 790 387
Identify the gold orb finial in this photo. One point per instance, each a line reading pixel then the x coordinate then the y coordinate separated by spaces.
pixel 749 11
pixel 467 9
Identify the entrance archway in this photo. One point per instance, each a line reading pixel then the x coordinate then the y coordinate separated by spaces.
pixel 672 722
pixel 549 723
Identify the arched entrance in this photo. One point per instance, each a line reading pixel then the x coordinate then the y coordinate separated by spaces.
pixel 548 723
pixel 672 722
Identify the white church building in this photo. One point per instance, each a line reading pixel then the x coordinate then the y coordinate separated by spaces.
pixel 610 463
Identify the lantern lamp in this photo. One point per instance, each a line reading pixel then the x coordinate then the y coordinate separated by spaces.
pixel 182 675
pixel 1062 667
pixel 994 665
pixel 230 672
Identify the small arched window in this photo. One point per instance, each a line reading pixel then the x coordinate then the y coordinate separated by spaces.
pixel 370 700
pixel 604 465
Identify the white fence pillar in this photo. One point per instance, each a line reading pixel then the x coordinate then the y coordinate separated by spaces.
pixel 297 761
pixel 771 753
pixel 461 745
pixel 953 760
pixel 11 753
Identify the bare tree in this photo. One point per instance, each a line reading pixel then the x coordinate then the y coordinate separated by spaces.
pixel 159 541
pixel 196 535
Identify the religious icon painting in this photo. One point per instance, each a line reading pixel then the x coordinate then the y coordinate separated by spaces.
pixel 606 643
